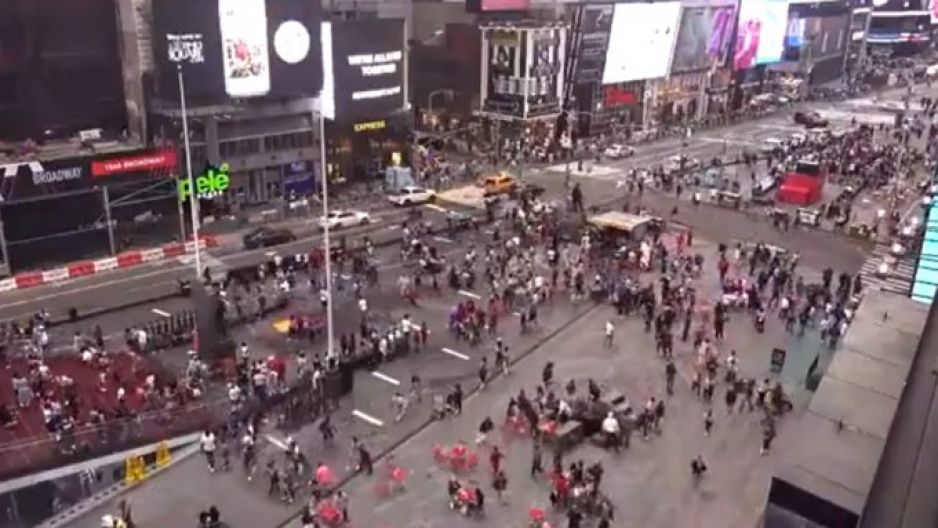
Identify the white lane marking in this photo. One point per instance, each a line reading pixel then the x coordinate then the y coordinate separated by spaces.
pixel 455 354
pixel 277 442
pixel 435 207
pixel 392 227
pixel 469 294
pixel 444 239
pixel 367 418
pixel 384 377
pixel 161 313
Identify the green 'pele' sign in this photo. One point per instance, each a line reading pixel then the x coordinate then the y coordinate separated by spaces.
pixel 209 184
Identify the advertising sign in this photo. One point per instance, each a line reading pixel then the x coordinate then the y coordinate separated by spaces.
pixel 704 37
pixel 299 178
pixel 368 67
pixel 899 6
pixel 33 179
pixel 476 6
pixel 596 22
pixel 933 11
pixel 760 35
pixel 233 49
pixel 641 41
pixel 211 183
pixel 156 161
pixel 505 69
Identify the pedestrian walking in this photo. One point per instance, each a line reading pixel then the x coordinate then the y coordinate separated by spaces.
pixel 610 331
pixel 698 468
pixel 537 459
pixel 208 445
pixel 500 483
pixel 483 372
pixel 670 371
pixel 708 421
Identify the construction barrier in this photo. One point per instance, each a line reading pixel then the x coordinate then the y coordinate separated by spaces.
pixel 162 454
pixel 135 470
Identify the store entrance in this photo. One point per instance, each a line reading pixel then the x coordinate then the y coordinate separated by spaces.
pixel 263 186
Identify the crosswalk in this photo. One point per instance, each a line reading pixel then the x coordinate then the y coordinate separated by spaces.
pixel 899 277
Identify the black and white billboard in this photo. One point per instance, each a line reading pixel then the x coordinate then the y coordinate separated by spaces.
pixel 523 70
pixel 595 25
pixel 238 49
pixel 368 68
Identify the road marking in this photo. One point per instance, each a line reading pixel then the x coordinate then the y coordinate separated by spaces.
pixel 367 418
pixel 435 207
pixel 384 377
pixel 469 294
pixel 392 227
pixel 277 442
pixel 346 276
pixel 455 354
pixel 161 313
pixel 444 239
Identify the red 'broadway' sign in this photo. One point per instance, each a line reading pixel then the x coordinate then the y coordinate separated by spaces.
pixel 149 161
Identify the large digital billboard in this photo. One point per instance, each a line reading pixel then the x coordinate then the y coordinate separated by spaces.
pixel 478 6
pixel 760 35
pixel 368 67
pixel 926 272
pixel 641 41
pixel 238 49
pixel 704 37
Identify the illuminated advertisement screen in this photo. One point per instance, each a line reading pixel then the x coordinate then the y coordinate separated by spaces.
pixel 760 35
pixel 704 37
pixel 479 6
pixel 368 67
pixel 926 273
pixel 238 49
pixel 641 41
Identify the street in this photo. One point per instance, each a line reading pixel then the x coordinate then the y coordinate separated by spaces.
pixel 650 483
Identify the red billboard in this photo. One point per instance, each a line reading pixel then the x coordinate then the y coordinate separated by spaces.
pixel 476 6
pixel 157 160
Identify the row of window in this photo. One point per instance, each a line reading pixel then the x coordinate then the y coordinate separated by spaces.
pixel 252 145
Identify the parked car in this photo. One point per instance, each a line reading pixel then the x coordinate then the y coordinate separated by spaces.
pixel 810 119
pixel 266 237
pixel 618 151
pixel 411 194
pixel 340 219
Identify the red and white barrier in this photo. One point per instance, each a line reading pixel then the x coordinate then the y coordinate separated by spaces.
pixel 91 267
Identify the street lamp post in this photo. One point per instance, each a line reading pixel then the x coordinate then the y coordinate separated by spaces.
pixel 193 196
pixel 327 251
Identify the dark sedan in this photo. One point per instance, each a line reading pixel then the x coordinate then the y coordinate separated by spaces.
pixel 810 120
pixel 266 237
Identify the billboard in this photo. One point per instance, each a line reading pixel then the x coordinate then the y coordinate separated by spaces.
pixel 34 179
pixel 704 37
pixel 367 68
pixel 595 25
pixel 484 6
pixel 641 41
pixel 926 270
pixel 760 34
pixel 816 37
pixel 238 49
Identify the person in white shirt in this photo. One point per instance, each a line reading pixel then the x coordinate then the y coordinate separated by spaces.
pixel 610 331
pixel 207 444
pixel 611 430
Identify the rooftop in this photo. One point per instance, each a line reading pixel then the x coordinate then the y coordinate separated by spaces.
pixel 836 446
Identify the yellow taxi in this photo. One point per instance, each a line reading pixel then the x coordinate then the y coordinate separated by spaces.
pixel 499 183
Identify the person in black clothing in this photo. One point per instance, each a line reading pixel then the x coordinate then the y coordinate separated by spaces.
pixel 670 371
pixel 365 461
